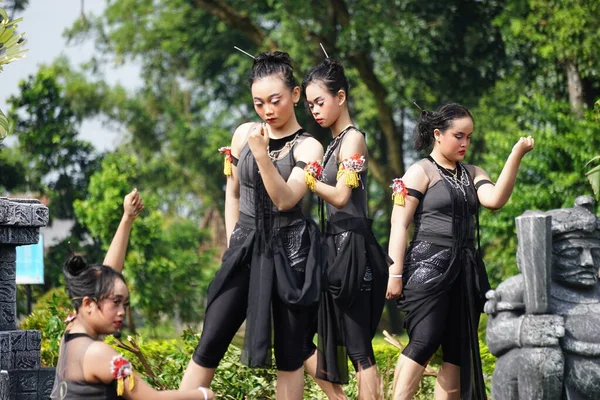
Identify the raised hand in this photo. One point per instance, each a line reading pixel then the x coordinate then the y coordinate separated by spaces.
pixel 133 204
pixel 524 146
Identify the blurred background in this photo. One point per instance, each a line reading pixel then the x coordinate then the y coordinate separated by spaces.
pixel 119 94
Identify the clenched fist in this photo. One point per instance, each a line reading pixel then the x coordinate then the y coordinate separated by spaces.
pixel 524 146
pixel 133 204
pixel 258 140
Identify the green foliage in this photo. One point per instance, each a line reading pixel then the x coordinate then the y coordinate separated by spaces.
pixel 48 317
pixel 164 252
pixel 551 176
pixel 593 175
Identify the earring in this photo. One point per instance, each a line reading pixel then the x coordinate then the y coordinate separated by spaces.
pixel 295 104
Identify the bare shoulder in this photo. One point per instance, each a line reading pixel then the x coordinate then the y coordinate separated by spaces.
pixel 97 362
pixel 309 149
pixel 479 173
pixel 240 136
pixel 415 177
pixel 354 142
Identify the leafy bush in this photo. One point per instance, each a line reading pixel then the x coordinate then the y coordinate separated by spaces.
pixel 48 316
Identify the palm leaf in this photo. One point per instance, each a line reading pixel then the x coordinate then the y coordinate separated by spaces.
pixel 10 40
pixel 593 176
pixel 3 126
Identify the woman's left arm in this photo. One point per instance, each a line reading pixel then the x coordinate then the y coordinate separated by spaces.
pixel 495 196
pixel 338 195
pixel 115 256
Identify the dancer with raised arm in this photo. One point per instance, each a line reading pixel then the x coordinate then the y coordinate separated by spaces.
pixel 88 368
pixel 440 280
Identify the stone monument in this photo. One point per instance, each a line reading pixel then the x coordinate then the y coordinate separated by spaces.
pixel 21 377
pixel 544 324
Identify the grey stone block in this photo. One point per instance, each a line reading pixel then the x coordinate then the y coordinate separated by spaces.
pixel 7 361
pixel 8 312
pixel 18 340
pixel 7 253
pixel 19 236
pixel 45 382
pixel 5 344
pixel 8 271
pixel 34 340
pixel 27 359
pixel 4 385
pixel 8 291
pixel 26 381
pixel 534 258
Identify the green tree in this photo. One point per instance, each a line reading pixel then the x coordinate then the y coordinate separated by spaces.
pixel 167 268
pixel 557 42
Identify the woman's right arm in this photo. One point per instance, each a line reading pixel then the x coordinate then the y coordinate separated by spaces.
pixel 232 191
pixel 97 363
pixel 402 216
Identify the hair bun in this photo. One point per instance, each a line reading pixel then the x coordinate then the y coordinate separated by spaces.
pixel 279 57
pixel 75 265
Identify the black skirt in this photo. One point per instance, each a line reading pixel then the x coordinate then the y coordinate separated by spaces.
pixel 346 268
pixel 281 263
pixel 423 291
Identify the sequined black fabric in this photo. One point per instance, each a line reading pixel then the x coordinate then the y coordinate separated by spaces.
pixel 425 261
pixel 296 242
pixel 340 241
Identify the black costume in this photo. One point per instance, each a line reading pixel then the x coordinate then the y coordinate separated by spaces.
pixel 354 292
pixel 444 278
pixel 70 383
pixel 272 268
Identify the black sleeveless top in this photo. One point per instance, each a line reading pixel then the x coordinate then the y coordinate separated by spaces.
pixel 69 383
pixel 433 217
pixel 357 204
pixel 248 170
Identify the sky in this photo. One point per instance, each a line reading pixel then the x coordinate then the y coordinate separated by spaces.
pixel 44 23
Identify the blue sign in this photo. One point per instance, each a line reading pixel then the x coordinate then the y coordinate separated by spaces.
pixel 30 263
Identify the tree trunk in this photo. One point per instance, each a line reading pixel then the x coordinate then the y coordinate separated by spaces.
pixel 575 85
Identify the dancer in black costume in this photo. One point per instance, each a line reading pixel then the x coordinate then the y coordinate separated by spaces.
pixel 357 266
pixel 88 368
pixel 272 267
pixel 441 277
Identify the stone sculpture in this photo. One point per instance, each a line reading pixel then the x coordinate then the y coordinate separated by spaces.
pixel 544 324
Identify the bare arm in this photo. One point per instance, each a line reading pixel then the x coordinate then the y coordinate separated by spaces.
pixel 338 195
pixel 284 194
pixel 402 216
pixel 115 256
pixel 495 197
pixel 96 367
pixel 232 191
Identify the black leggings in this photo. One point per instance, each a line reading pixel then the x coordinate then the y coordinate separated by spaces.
pixel 357 333
pixel 226 314
pixel 442 326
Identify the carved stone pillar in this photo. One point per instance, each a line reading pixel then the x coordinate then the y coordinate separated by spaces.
pixel 20 222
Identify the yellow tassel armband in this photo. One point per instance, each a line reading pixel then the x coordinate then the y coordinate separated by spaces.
pixel 313 171
pixel 399 192
pixel 350 168
pixel 228 160
pixel 120 367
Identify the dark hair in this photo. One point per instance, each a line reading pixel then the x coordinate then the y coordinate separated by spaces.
pixel 278 62
pixel 331 74
pixel 440 119
pixel 94 281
